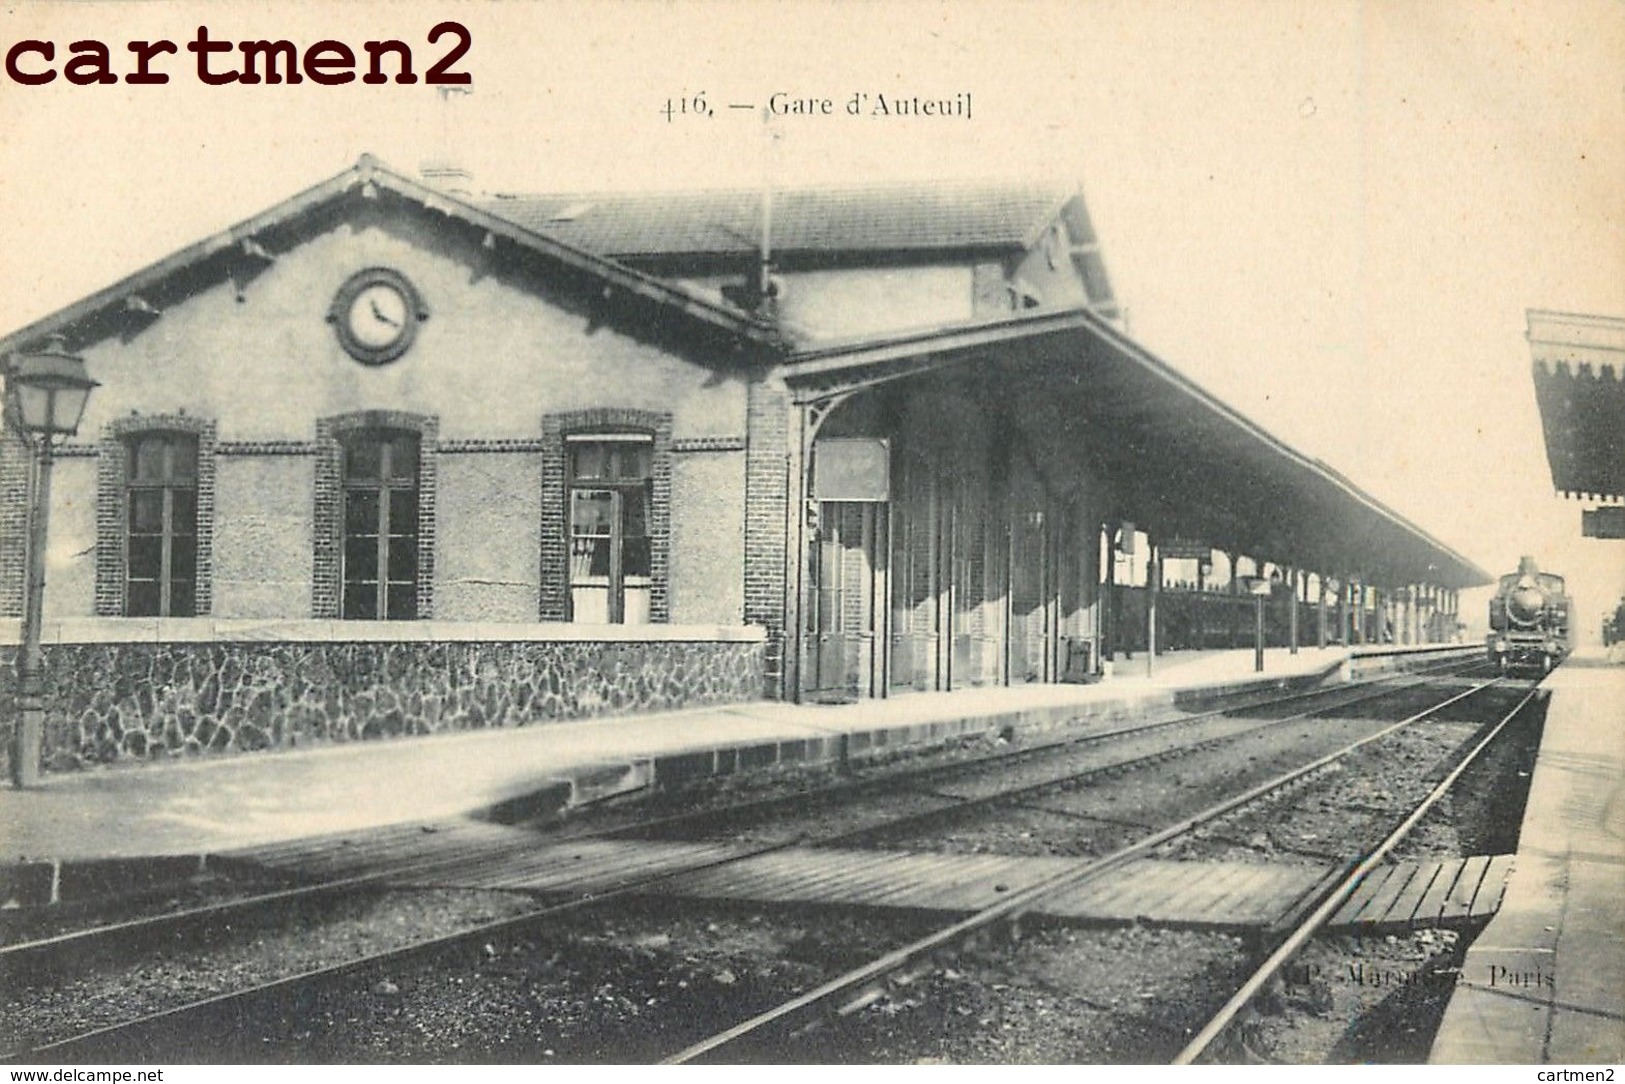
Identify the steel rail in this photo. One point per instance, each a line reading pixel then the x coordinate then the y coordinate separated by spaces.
pixel 1335 897
pixel 198 917
pixel 444 941
pixel 962 806
pixel 148 926
pixel 860 986
pixel 427 945
pixel 400 952
pixel 916 776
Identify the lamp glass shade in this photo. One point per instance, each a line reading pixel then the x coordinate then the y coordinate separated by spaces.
pixel 35 405
pixel 69 405
pixel 50 392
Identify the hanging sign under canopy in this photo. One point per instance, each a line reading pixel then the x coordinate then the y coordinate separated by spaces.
pixel 852 469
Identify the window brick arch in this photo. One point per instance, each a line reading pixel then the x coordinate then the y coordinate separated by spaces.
pixel 327 588
pixel 557 429
pixel 113 513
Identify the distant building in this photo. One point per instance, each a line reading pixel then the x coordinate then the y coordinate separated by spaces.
pixel 847 262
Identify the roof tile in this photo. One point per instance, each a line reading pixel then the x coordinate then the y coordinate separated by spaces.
pixel 914 217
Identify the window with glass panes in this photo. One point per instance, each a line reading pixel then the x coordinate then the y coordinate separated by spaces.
pixel 609 497
pixel 161 526
pixel 380 573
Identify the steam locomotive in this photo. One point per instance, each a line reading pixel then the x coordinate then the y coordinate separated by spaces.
pixel 1529 620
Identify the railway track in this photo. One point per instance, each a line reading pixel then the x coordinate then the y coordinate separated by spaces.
pixel 165 928
pixel 863 986
pixel 1334 897
pixel 118 1036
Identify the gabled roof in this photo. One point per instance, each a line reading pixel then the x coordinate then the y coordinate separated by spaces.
pixel 1579 371
pixel 241 249
pixel 912 218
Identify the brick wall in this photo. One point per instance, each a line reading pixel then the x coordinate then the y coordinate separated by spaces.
pixel 767 496
pixel 264 529
pixel 708 532
pixel 14 472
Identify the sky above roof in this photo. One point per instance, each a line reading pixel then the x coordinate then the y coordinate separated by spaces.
pixel 1332 215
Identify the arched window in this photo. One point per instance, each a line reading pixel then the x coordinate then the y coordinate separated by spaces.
pixel 380 524
pixel 161 525
pixel 155 516
pixel 610 498
pixel 374 516
pixel 606 516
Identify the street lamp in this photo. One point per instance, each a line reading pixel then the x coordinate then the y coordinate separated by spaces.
pixel 45 398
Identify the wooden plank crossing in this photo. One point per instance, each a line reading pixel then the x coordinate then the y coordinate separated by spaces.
pixel 379 850
pixel 1419 886
pixel 1196 894
pixel 921 881
pixel 587 867
pixel 1410 895
pixel 1385 899
pixel 1459 903
pixel 1227 895
pixel 1488 899
pixel 1154 891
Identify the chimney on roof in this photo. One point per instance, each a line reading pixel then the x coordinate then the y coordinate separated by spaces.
pixel 764 285
pixel 444 168
pixel 759 291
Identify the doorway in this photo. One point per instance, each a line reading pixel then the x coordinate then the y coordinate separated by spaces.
pixel 846 576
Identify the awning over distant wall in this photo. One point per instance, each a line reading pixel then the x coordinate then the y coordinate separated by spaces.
pixel 1579 364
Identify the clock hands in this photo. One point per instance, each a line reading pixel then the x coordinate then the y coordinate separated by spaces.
pixel 379 313
pixel 375 314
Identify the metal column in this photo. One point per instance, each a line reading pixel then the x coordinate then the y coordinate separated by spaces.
pixel 1298 581
pixel 1153 588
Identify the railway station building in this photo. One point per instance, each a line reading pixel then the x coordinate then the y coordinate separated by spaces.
pixel 389 458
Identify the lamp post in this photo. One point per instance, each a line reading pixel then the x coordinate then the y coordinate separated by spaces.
pixel 1259 588
pixel 45 398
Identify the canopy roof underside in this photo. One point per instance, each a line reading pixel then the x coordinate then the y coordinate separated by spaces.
pixel 1180 463
pixel 1582 412
pixel 1579 366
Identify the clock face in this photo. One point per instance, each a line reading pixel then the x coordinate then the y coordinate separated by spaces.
pixel 376 314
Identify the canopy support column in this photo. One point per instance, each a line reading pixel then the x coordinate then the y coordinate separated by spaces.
pixel 1320 610
pixel 1298 581
pixel 1153 589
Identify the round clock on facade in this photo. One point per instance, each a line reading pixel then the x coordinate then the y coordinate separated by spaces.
pixel 376 315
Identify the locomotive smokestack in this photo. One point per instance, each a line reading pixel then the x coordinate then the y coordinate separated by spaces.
pixel 1525 604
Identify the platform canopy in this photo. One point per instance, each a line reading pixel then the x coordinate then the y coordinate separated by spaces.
pixel 1579 370
pixel 1088 400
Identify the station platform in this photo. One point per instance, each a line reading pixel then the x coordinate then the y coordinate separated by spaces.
pixel 190 809
pixel 1544 983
